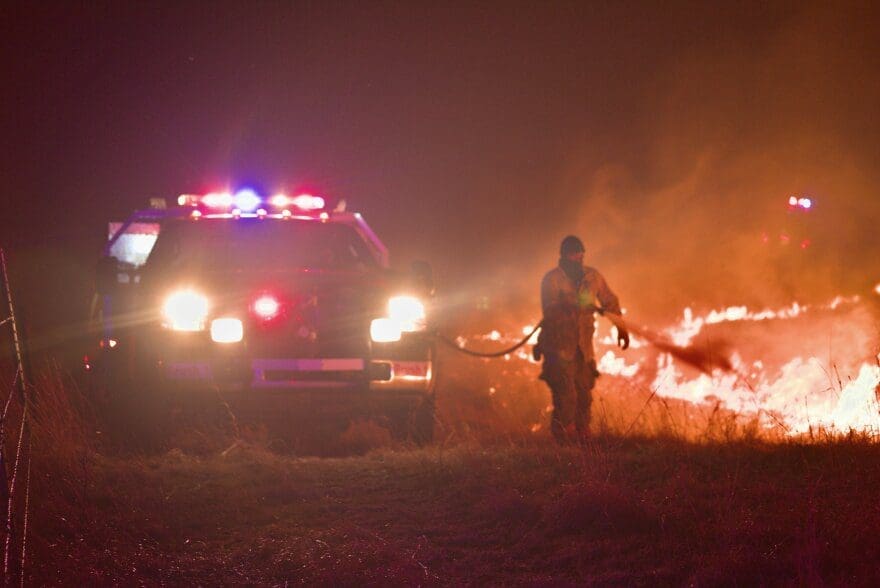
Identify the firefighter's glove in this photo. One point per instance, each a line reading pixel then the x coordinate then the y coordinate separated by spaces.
pixel 622 338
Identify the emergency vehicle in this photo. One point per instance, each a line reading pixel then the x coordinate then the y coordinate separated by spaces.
pixel 247 292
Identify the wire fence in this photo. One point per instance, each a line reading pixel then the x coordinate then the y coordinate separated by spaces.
pixel 15 450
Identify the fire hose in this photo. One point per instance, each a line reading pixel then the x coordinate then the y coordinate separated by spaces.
pixel 503 352
pixel 705 359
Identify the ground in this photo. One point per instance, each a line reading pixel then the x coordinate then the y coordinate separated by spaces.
pixel 666 492
pixel 612 512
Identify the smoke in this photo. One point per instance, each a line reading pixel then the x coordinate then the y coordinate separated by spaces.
pixel 732 129
pixel 669 137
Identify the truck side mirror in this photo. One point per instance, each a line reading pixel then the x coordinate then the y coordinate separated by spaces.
pixel 106 279
pixel 423 276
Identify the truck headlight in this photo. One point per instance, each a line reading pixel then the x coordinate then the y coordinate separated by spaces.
pixel 408 312
pixel 185 310
pixel 384 330
pixel 226 330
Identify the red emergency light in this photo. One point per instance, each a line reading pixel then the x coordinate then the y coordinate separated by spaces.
pixel 246 201
pixel 266 307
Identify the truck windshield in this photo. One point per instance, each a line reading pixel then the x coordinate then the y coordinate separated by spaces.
pixel 259 245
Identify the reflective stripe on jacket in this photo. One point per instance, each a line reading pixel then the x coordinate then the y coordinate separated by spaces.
pixel 568 311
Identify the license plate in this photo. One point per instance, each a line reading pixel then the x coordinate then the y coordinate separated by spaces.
pixel 410 369
pixel 187 371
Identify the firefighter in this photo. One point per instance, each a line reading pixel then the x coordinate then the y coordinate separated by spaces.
pixel 571 294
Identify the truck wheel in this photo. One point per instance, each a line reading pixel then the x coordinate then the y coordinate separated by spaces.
pixel 422 422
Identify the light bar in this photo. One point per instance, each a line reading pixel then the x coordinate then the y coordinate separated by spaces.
pixel 247 200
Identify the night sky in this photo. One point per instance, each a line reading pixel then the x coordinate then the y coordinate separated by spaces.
pixel 473 135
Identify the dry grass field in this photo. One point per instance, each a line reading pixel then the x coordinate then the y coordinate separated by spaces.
pixel 666 493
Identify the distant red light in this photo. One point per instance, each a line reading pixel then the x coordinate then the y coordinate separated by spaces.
pixel 805 243
pixel 801 202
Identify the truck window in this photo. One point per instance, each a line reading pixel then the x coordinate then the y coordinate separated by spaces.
pixel 260 245
pixel 133 247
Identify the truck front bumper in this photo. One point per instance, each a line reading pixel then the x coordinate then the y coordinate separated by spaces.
pixel 265 373
pixel 405 366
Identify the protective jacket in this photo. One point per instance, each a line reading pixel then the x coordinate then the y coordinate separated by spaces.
pixel 569 309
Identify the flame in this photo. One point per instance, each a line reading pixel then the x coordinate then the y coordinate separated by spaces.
pixel 788 383
pixel 803 394
pixel 617 366
pixel 689 327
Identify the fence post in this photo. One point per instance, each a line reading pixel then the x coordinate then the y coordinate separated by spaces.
pixel 7 486
pixel 16 338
